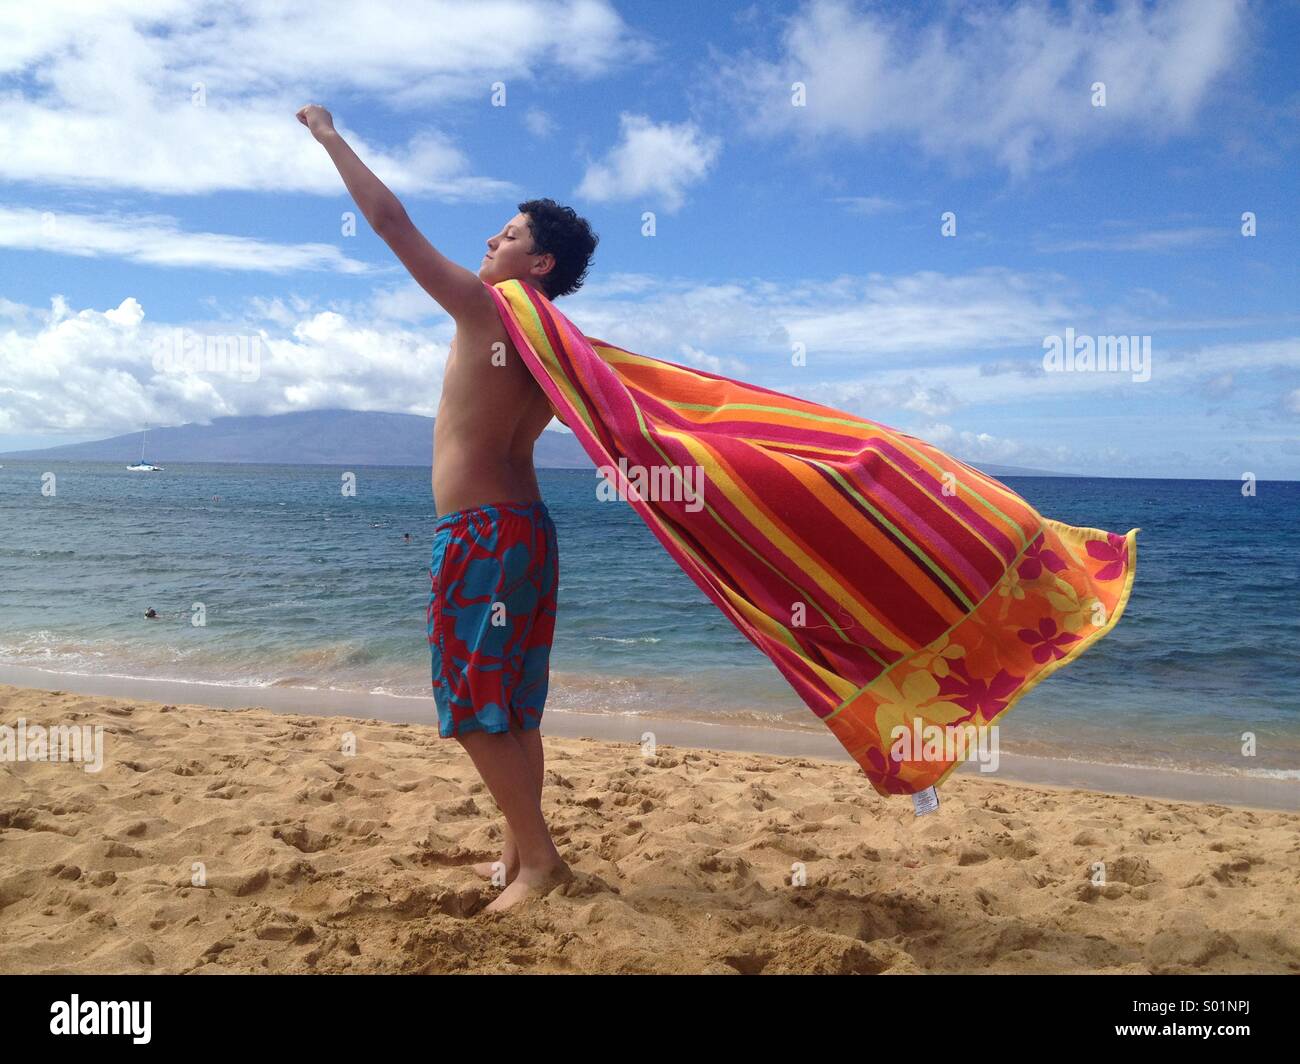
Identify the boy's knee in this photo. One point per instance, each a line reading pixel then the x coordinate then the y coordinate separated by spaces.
pixel 478 737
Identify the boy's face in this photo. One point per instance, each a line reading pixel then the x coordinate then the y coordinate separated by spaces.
pixel 508 255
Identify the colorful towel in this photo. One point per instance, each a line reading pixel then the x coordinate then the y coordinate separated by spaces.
pixel 904 594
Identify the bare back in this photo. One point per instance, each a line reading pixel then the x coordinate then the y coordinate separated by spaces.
pixel 489 417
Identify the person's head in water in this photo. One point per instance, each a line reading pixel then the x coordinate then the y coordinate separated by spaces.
pixel 407 536
pixel 545 245
pixel 151 613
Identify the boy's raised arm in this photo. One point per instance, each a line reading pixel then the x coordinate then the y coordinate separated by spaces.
pixel 460 292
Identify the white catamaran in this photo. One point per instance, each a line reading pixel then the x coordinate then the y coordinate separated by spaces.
pixel 142 466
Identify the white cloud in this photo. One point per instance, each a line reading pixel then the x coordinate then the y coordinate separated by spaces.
pixel 976 446
pixel 539 123
pixel 868 205
pixel 931 311
pixel 14 311
pixel 1012 82
pixel 1239 357
pixel 128 313
pixel 621 284
pixel 91 372
pixel 158 241
pixel 842 321
pixel 1149 240
pixel 656 161
pixel 406 302
pixel 938 390
pixel 276 310
pixel 896 390
pixel 106 93
pixel 688 355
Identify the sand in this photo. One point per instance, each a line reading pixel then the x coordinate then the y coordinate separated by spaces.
pixel 311 859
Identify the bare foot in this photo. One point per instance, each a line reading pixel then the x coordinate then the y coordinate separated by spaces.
pixel 531 883
pixel 490 869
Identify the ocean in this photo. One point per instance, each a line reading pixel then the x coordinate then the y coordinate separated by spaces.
pixel 302 586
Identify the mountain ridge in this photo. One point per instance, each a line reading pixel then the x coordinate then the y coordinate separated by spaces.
pixel 324 437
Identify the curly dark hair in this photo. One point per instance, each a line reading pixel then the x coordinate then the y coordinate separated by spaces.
pixel 565 235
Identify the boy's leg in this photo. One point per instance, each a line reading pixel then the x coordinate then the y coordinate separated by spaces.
pixel 531 741
pixel 509 775
pixel 494 578
pixel 532 663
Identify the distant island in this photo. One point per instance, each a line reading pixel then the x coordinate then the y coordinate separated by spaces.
pixel 325 437
pixel 309 437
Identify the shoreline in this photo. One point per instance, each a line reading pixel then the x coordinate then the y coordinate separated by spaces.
pixel 1097 777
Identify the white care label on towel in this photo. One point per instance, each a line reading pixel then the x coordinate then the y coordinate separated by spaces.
pixel 926 801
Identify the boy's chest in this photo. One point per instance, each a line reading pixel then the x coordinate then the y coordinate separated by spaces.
pixel 481 352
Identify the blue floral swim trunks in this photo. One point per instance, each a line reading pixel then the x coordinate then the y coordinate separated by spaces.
pixel 493 585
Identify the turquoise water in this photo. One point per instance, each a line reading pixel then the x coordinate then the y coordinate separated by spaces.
pixel 302 586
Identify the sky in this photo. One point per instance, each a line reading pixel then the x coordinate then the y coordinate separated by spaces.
pixel 897 210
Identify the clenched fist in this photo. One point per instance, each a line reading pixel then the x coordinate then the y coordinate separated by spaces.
pixel 316 119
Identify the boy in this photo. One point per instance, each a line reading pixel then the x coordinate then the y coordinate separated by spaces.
pixel 494 571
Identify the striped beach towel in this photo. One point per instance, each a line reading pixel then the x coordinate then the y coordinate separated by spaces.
pixel 908 598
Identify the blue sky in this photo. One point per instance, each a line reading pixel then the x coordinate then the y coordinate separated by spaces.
pixel 132 204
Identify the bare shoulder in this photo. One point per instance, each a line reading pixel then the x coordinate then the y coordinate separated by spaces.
pixel 481 330
pixel 479 308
